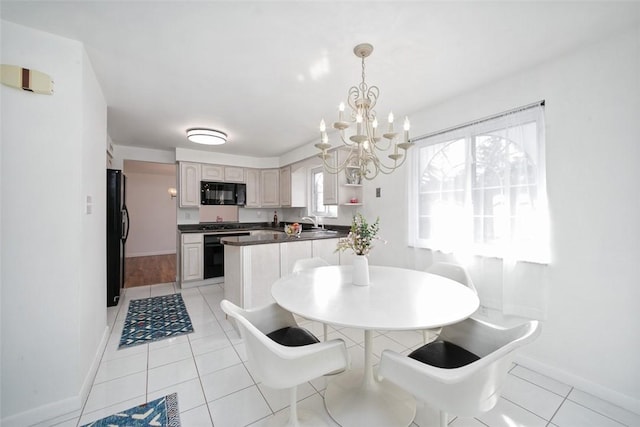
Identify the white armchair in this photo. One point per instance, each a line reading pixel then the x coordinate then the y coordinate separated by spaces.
pixel 454 272
pixel 281 355
pixel 307 263
pixel 463 371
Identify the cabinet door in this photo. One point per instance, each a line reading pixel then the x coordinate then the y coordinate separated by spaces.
pixel 290 252
pixel 285 186
pixel 212 173
pixel 330 184
pixel 189 184
pixel 233 174
pixel 270 194
pixel 192 257
pixel 261 264
pixel 326 249
pixel 253 188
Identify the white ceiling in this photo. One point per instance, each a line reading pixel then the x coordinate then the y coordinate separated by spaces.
pixel 245 67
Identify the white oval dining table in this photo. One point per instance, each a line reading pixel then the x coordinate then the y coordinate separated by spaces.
pixel 396 299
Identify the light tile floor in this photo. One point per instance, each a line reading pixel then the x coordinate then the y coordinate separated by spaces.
pixel 208 370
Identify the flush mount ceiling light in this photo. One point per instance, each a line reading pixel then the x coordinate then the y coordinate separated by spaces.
pixel 206 136
pixel 364 147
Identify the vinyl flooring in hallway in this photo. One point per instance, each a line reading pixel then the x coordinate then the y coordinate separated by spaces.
pixel 208 369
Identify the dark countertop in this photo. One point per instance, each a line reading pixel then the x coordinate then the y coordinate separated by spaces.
pixel 279 237
pixel 227 226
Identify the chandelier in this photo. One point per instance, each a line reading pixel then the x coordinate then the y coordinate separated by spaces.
pixel 365 147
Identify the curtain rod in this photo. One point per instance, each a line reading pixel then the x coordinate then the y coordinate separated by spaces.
pixel 478 121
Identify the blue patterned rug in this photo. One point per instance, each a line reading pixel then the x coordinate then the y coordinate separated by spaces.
pixel 156 318
pixel 162 412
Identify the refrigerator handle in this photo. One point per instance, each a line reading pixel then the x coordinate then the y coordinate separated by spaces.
pixel 125 223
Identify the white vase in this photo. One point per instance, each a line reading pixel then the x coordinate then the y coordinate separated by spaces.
pixel 361 270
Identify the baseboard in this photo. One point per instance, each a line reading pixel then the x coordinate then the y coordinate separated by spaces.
pixel 70 406
pixel 95 364
pixel 153 253
pixel 597 390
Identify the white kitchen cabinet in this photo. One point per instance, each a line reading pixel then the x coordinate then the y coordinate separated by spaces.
pixel 293 186
pixel 190 174
pixel 233 174
pixel 330 184
pixel 285 186
pixel 290 252
pixel 253 188
pixel 270 188
pixel 192 257
pixel 249 273
pixel 212 173
pixel 326 249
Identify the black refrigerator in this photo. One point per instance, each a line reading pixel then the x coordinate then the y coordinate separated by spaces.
pixel 117 232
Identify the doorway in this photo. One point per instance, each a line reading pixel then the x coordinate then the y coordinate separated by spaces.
pixel 151 246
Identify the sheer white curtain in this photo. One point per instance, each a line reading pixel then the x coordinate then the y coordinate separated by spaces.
pixel 480 190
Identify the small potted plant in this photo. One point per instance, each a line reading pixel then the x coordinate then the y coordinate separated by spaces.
pixel 360 240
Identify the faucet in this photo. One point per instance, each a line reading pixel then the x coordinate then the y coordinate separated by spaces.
pixel 314 220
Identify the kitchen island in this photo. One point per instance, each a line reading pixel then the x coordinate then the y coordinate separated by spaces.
pixel 253 263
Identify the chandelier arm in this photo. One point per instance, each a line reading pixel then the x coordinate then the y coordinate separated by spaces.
pixel 365 147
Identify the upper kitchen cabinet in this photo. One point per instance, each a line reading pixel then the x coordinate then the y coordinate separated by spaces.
pixel 190 177
pixel 285 186
pixel 330 184
pixel 220 173
pixel 253 188
pixel 293 190
pixel 233 174
pixel 263 188
pixel 212 173
pixel 270 187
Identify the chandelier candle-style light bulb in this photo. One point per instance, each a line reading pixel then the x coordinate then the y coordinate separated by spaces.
pixel 407 126
pixel 323 145
pixel 364 148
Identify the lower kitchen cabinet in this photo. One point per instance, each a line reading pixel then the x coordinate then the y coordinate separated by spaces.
pixel 251 270
pixel 326 249
pixel 291 252
pixel 192 256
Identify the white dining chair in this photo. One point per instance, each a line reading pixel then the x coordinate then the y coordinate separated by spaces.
pixel 462 372
pixel 454 272
pixel 281 355
pixel 450 271
pixel 305 264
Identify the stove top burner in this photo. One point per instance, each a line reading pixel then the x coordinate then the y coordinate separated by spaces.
pixel 218 227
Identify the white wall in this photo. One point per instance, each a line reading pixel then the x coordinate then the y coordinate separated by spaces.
pixel 53 253
pixel 591 337
pixel 152 214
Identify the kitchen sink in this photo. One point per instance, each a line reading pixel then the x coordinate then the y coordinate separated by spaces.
pixel 318 233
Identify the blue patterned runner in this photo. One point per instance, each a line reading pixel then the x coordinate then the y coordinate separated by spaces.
pixel 162 412
pixel 156 318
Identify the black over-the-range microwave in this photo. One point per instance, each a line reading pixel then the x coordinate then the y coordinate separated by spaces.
pixel 222 193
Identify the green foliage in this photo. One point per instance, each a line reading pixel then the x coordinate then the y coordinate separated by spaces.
pixel 361 236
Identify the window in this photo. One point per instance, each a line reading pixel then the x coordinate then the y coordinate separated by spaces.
pixel 317 207
pixel 481 189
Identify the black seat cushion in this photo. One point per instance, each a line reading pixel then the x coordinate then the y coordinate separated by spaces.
pixel 443 354
pixel 293 336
